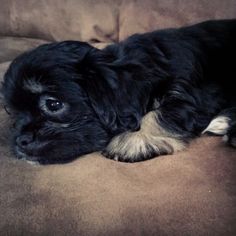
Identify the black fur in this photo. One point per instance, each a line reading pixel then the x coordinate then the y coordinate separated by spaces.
pixel 190 71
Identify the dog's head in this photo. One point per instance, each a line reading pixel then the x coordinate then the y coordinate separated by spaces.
pixel 68 101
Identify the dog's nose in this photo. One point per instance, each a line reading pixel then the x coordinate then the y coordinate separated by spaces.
pixel 24 140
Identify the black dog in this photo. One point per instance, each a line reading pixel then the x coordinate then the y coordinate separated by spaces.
pixel 146 96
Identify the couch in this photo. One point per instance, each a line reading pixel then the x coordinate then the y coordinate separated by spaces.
pixel 192 192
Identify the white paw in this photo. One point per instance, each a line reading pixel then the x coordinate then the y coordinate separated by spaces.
pixel 218 126
pixel 133 147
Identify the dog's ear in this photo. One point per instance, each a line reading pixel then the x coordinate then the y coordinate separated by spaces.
pixel 75 50
pixel 118 100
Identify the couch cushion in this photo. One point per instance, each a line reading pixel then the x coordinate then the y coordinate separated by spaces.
pixel 156 14
pixel 10 47
pixel 103 20
pixel 89 20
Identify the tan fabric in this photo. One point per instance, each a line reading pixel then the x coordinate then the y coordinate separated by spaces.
pixel 103 20
pixel 10 47
pixel 142 16
pixel 190 193
pixel 89 20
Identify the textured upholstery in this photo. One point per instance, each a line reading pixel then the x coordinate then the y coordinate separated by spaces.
pixel 190 193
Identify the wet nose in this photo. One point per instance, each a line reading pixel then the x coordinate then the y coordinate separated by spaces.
pixel 24 140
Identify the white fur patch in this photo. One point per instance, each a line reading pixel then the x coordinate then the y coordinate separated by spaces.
pixel 33 163
pixel 33 86
pixel 130 145
pixel 218 126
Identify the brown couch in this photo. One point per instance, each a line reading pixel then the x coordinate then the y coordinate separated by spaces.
pixel 190 193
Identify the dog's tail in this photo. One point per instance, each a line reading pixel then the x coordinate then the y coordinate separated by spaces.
pixel 224 125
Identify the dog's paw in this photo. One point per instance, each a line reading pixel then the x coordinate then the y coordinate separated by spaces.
pixel 136 146
pixel 224 124
pixel 151 140
pixel 218 126
pixel 129 147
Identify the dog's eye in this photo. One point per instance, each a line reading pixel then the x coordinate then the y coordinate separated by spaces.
pixel 51 105
pixel 54 105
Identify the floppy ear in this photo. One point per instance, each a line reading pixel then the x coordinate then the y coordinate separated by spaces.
pixel 74 51
pixel 118 100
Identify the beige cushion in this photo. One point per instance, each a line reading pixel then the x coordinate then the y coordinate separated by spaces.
pixel 104 20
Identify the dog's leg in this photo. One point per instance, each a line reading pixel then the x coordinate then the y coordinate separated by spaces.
pixel 151 140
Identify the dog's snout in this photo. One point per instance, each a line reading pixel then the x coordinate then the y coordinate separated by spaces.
pixel 24 140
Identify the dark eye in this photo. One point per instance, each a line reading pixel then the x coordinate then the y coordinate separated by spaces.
pixel 51 105
pixel 54 105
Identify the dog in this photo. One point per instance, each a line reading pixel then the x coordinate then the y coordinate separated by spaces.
pixel 146 96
